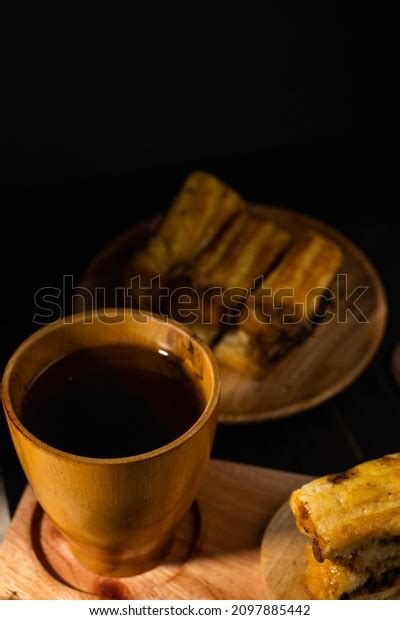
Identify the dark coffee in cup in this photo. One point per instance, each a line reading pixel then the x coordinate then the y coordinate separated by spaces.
pixel 111 401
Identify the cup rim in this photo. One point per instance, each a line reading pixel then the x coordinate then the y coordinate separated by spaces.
pixel 210 406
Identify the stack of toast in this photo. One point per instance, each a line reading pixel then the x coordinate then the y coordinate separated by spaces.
pixel 352 521
pixel 239 281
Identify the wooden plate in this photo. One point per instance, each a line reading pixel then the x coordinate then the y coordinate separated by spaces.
pixel 283 558
pixel 326 363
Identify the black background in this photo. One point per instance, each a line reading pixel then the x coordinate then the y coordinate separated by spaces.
pixel 104 115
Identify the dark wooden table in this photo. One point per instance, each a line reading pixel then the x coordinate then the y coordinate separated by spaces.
pixel 65 224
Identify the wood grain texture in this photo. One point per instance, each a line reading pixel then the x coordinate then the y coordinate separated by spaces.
pixel 216 553
pixel 283 558
pixel 326 363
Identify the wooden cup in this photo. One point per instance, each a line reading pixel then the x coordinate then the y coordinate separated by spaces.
pixel 117 514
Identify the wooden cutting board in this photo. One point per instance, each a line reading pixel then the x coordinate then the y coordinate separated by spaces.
pixel 326 363
pixel 216 553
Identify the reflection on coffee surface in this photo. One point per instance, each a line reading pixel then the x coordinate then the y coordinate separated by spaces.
pixel 111 401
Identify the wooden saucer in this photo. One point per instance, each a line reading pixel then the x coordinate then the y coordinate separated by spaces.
pixel 216 554
pixel 326 363
pixel 54 554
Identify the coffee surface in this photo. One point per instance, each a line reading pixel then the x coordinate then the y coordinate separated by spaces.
pixel 111 401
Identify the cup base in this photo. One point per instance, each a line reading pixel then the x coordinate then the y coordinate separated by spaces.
pixel 123 567
pixel 54 553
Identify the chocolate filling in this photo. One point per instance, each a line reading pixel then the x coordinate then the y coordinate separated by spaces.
pixel 350 559
pixel 374 585
pixel 294 336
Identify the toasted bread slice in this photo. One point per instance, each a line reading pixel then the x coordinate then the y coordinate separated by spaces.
pixel 227 270
pixel 291 293
pixel 353 518
pixel 284 309
pixel 278 315
pixel 245 251
pixel 203 206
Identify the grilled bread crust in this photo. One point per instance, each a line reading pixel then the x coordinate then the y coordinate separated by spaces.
pixel 351 510
pixel 202 207
pixel 293 289
pixel 246 250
